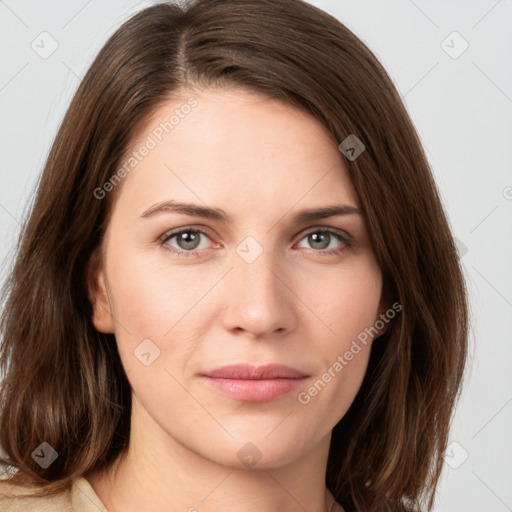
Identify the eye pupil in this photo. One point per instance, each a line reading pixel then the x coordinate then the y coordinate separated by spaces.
pixel 324 239
pixel 188 240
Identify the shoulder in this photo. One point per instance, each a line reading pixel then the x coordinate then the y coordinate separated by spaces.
pixel 20 498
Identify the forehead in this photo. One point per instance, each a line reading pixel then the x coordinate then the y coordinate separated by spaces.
pixel 226 145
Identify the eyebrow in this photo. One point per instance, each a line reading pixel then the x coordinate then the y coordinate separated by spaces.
pixel 196 210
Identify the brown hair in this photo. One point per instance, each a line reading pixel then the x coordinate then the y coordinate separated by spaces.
pixel 63 380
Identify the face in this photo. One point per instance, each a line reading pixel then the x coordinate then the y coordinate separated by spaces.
pixel 244 277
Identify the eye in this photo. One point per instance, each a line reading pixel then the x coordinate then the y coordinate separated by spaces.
pixel 188 241
pixel 327 241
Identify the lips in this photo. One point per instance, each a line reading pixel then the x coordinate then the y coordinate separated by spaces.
pixel 250 372
pixel 248 383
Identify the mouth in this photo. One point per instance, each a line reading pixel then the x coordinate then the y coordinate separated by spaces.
pixel 249 383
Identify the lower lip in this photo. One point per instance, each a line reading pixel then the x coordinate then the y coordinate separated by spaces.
pixel 260 390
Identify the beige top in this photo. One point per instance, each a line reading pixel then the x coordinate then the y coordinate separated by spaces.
pixel 81 498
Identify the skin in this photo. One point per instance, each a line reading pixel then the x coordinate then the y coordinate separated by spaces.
pixel 260 161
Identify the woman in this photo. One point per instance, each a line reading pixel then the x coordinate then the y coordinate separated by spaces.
pixel 237 288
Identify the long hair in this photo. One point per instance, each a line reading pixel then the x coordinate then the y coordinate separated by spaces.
pixel 64 383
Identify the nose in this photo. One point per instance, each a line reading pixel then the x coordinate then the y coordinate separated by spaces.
pixel 258 298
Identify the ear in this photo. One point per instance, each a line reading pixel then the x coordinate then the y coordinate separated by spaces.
pixel 97 293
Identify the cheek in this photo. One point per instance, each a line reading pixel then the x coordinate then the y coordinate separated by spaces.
pixel 344 361
pixel 349 306
pixel 348 302
pixel 150 307
pixel 150 297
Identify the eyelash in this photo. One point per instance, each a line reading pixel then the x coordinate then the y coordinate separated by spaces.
pixel 346 243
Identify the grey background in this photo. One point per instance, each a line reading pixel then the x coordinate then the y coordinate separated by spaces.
pixel 462 108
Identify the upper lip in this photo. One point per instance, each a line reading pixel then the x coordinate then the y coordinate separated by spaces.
pixel 251 372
